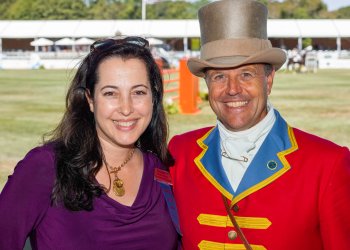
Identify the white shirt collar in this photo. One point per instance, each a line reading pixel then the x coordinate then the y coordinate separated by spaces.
pixel 238 144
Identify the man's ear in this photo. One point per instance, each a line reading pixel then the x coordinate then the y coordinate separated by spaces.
pixel 90 100
pixel 270 81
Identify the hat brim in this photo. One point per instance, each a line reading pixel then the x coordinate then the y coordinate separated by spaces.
pixel 274 56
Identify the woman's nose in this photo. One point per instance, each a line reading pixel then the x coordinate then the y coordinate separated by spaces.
pixel 126 105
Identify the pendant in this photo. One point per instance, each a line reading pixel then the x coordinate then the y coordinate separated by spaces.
pixel 118 187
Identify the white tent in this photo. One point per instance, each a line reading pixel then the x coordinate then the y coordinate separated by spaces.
pixel 84 41
pixel 279 28
pixel 154 41
pixel 335 29
pixel 65 42
pixel 41 42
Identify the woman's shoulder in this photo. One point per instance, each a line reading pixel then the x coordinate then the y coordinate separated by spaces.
pixel 43 153
pixel 38 164
pixel 46 148
pixel 32 178
pixel 152 160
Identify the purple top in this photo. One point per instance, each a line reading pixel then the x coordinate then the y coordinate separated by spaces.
pixel 25 211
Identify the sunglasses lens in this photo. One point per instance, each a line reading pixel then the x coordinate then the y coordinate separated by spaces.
pixel 139 41
pixel 104 44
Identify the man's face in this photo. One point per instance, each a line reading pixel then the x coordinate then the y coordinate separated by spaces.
pixel 238 96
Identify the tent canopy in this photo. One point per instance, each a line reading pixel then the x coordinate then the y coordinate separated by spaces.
pixel 84 41
pixel 277 28
pixel 65 42
pixel 41 42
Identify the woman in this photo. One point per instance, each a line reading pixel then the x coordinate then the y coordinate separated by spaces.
pixel 98 183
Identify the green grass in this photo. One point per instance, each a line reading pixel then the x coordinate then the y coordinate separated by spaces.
pixel 32 103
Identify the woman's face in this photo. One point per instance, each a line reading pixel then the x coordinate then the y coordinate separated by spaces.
pixel 122 101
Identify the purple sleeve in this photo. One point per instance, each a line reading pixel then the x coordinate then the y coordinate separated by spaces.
pixel 26 197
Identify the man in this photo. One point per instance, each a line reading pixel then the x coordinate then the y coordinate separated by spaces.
pixel 252 181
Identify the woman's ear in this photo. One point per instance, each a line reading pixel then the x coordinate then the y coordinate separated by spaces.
pixel 90 100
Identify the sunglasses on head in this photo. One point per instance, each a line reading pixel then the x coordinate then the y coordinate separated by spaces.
pixel 107 43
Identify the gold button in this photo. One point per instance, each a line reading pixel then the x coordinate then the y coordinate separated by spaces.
pixel 232 235
pixel 235 208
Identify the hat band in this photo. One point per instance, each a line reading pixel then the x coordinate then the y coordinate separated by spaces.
pixel 233 47
pixel 229 60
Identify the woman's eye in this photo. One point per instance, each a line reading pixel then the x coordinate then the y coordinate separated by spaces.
pixel 140 92
pixel 108 93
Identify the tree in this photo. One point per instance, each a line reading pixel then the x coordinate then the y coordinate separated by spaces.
pixel 170 10
pixel 4 6
pixel 161 9
pixel 20 9
pixel 114 9
pixel 343 13
pixel 174 9
pixel 47 9
pixel 296 9
pixel 61 9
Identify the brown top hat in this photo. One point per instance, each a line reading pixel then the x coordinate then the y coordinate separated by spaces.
pixel 234 33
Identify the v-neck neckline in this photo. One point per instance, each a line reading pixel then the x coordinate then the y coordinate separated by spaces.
pixel 139 191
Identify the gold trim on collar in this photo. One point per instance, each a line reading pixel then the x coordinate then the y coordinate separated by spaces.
pixel 281 155
pixel 286 166
pixel 204 171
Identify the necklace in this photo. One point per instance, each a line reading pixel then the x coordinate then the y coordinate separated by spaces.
pixel 118 184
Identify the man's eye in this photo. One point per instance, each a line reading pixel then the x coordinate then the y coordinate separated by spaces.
pixel 218 77
pixel 247 76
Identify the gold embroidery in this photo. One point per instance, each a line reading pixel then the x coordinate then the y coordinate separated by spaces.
pixel 224 221
pixel 211 245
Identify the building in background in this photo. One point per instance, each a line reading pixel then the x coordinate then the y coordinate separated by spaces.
pixel 68 40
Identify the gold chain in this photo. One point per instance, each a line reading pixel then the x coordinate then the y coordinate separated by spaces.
pixel 118 184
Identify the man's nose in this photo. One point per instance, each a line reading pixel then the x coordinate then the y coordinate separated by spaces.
pixel 233 86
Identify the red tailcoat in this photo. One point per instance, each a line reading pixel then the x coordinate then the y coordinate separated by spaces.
pixel 295 194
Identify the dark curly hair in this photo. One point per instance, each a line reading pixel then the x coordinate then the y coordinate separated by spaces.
pixel 77 147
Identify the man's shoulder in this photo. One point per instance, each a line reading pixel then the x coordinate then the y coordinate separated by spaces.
pixel 193 134
pixel 308 140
